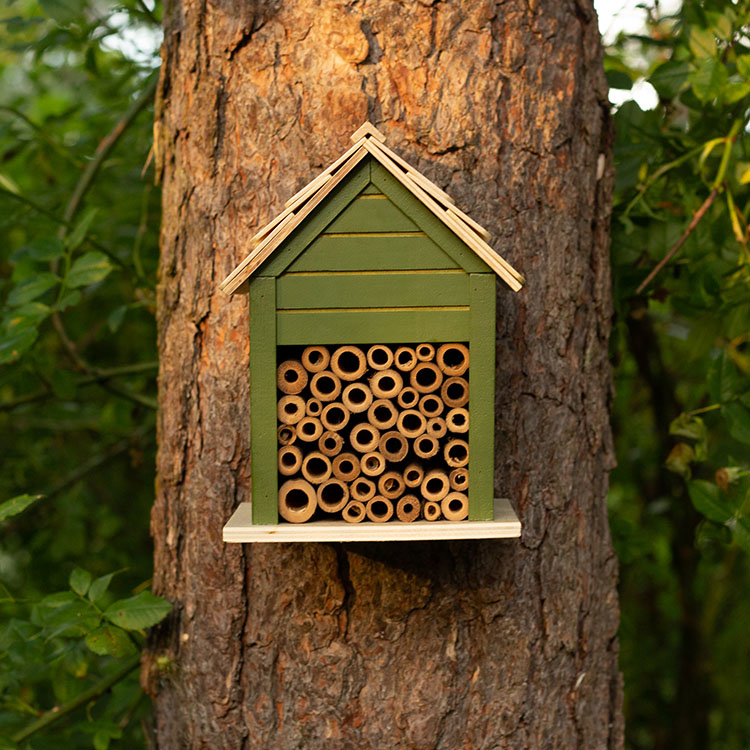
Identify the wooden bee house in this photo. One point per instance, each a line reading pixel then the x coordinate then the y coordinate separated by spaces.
pixel 372 356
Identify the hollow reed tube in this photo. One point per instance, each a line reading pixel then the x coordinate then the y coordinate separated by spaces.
pixel 291 377
pixel 333 495
pixel 348 362
pixel 407 509
pixel 452 359
pixel 315 358
pixel 455 506
pixel 297 501
pixel 379 509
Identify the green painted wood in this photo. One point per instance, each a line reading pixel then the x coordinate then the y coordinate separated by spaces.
pixel 427 221
pixel 400 289
pixel 353 252
pixel 372 326
pixel 371 190
pixel 371 213
pixel 263 399
pixel 482 398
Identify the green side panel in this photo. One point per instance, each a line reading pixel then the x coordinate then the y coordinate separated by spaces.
pixel 263 399
pixel 373 326
pixel 427 221
pixel 372 252
pixel 482 398
pixel 400 289
pixel 371 213
pixel 313 225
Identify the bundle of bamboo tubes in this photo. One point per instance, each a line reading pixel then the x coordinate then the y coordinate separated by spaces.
pixel 374 433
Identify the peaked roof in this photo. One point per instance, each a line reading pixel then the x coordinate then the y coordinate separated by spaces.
pixel 369 140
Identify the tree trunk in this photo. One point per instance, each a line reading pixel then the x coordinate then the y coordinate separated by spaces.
pixel 505 644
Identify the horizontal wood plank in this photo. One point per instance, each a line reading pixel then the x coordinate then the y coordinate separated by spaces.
pixel 371 213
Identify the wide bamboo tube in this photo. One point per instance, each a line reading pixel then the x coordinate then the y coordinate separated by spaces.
pixel 325 385
pixel 357 397
pixel 386 384
pixel 349 362
pixel 372 464
pixel 333 495
pixel 405 358
pixel 391 485
pixel 315 358
pixel 411 423
pixel 290 409
pixel 313 407
pixel 364 437
pixel 309 429
pixel 394 446
pixel 330 443
pixel 431 405
pixel 335 417
pixel 455 506
pixel 407 509
pixel 297 501
pixel 413 475
pixel 291 377
pixel 382 414
pixel 435 485
pixel 456 453
pixel 346 467
pixel 286 434
pixel 379 357
pixel 436 427
pixel 354 512
pixel 362 489
pixel 316 467
pixel 426 377
pixel 425 352
pixel 290 460
pixel 408 398
pixel 431 511
pixel 455 392
pixel 426 446
pixel 457 420
pixel 453 359
pixel 459 479
pixel 379 509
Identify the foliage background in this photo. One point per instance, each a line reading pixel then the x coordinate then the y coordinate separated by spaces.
pixel 79 216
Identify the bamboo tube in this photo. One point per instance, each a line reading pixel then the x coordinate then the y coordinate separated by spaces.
pixel 436 427
pixel 431 405
pixel 313 407
pixel 411 423
pixel 426 446
pixel 407 398
pixel 287 434
pixel 372 464
pixel 290 460
pixel 426 377
pixel 315 358
pixel 407 509
pixel 335 417
pixel 379 357
pixel 346 467
pixel 354 512
pixel 364 437
pixel 435 486
pixel 456 453
pixel 455 392
pixel 459 479
pixel 391 485
pixel 309 429
pixel 291 377
pixel 431 511
pixel 357 397
pixel 413 475
pixel 297 501
pixel 290 409
pixel 348 362
pixel 386 384
pixel 382 414
pixel 379 509
pixel 453 359
pixel 405 358
pixel 362 489
pixel 394 446
pixel 333 495
pixel 457 420
pixel 455 506
pixel 330 443
pixel 325 385
pixel 316 467
pixel 425 352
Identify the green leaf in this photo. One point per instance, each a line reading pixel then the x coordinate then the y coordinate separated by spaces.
pixel 709 500
pixel 724 379
pixel 45 249
pixel 30 289
pixel 80 580
pixel 702 43
pixel 738 418
pixel 101 741
pixel 99 587
pixel 669 78
pixel 710 79
pixel 741 532
pixel 29 315
pixel 138 612
pixel 63 11
pixel 735 91
pixel 689 427
pixel 114 321
pixel 109 640
pixel 69 300
pixel 743 65
pixel 13 345
pixel 78 235
pixel 17 505
pixel 619 79
pixel 88 269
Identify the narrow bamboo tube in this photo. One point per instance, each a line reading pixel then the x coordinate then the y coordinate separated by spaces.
pixel 394 446
pixel 364 437
pixel 411 423
pixel 309 429
pixel 335 417
pixel 382 414
pixel 357 397
pixel 325 385
pixel 313 407
pixel 291 377
pixel 297 501
pixel 456 453
pixel 405 358
pixel 408 398
pixel 459 479
pixel 426 377
pixel 379 357
pixel 455 392
pixel 457 420
pixel 316 467
pixel 290 460
pixel 436 427
pixel 426 446
pixel 372 464
pixel 435 486
pixel 330 443
pixel 315 358
pixel 386 384
pixel 290 409
pixel 362 489
pixel 413 475
pixel 346 467
pixel 354 512
pixel 407 509
pixel 453 359
pixel 349 362
pixel 431 511
pixel 333 495
pixel 425 352
pixel 455 506
pixel 391 485
pixel 431 405
pixel 379 509
pixel 287 434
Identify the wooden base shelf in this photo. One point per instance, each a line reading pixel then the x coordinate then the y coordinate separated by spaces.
pixel 240 528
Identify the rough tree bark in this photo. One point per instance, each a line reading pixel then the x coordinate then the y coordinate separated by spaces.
pixel 508 644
